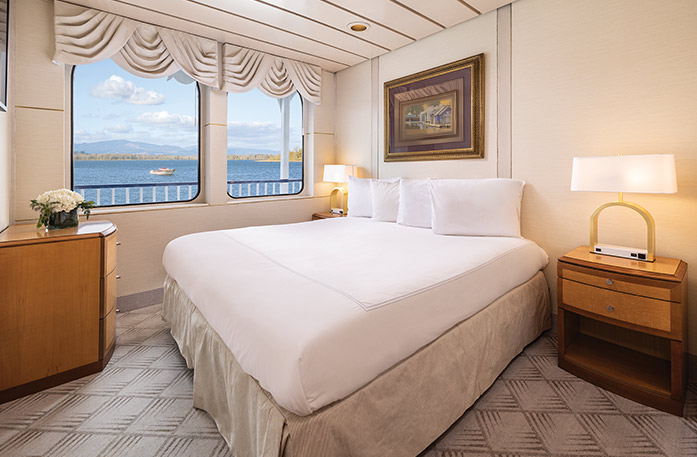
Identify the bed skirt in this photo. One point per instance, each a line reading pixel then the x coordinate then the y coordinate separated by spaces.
pixel 399 413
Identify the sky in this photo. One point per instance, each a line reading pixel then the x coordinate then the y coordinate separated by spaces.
pixel 111 104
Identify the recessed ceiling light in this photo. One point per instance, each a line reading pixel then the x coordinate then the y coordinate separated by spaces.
pixel 358 26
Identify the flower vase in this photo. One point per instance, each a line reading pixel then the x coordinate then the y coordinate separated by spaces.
pixel 63 219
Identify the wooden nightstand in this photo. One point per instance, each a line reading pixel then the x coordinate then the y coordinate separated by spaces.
pixel 622 325
pixel 325 215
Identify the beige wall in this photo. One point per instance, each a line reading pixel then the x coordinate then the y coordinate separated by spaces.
pixel 357 99
pixel 41 160
pixel 589 77
pixel 601 78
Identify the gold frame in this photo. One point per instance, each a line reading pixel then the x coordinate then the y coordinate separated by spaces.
pixel 476 107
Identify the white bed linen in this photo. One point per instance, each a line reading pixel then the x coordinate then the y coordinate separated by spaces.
pixel 316 310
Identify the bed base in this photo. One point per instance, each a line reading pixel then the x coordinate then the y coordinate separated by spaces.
pixel 399 413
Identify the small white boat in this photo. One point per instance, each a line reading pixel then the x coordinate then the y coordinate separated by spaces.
pixel 163 171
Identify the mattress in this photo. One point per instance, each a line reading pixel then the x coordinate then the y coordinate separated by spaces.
pixel 314 311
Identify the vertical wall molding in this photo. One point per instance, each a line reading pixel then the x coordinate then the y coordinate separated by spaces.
pixel 503 90
pixel 375 117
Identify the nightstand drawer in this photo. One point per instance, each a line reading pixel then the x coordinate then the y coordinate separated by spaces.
pixel 660 290
pixel 633 309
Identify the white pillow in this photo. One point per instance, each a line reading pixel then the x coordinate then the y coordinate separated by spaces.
pixel 359 197
pixel 414 203
pixel 484 207
pixel 385 200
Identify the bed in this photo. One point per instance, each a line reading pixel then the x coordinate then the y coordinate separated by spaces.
pixel 347 336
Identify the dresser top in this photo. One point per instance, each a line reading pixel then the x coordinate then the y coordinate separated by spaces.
pixel 662 268
pixel 28 233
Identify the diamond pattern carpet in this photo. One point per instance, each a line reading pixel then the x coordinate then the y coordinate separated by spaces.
pixel 141 405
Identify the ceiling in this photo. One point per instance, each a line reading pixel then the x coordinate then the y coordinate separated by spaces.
pixel 313 31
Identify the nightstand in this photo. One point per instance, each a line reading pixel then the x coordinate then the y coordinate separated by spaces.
pixel 622 325
pixel 325 215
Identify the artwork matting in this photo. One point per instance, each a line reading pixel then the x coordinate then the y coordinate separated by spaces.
pixel 437 114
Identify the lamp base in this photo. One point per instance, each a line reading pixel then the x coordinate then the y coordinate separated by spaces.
pixel 621 251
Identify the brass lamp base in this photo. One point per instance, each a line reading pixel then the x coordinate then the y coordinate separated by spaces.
pixel 338 200
pixel 650 226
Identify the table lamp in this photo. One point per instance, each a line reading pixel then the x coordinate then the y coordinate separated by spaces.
pixel 338 200
pixel 646 174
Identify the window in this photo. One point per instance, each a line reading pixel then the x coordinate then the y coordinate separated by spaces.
pixel 265 145
pixel 135 140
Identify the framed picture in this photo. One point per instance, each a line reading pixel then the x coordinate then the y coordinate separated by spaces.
pixel 4 36
pixel 437 114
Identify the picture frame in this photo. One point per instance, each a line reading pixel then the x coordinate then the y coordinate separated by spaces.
pixel 436 114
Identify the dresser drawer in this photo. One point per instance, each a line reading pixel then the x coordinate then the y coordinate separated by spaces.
pixel 109 254
pixel 642 311
pixel 660 290
pixel 108 300
pixel 107 333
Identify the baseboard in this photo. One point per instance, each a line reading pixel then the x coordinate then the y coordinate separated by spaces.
pixel 139 300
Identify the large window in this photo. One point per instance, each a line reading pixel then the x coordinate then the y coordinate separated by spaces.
pixel 135 140
pixel 265 145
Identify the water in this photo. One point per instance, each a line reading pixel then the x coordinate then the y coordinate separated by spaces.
pixel 106 172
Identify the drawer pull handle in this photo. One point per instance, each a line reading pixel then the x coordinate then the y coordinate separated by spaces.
pixel 118 243
pixel 118 276
pixel 610 308
pixel 609 282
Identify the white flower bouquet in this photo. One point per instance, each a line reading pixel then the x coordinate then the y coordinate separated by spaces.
pixel 58 208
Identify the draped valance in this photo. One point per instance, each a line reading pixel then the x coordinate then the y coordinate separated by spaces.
pixel 85 35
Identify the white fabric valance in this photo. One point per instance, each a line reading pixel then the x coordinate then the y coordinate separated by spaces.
pixel 85 35
pixel 245 68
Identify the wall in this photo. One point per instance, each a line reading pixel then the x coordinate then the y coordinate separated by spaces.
pixel 360 104
pixel 41 160
pixel 601 78
pixel 587 78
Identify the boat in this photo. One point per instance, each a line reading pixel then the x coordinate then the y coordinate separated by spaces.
pixel 164 171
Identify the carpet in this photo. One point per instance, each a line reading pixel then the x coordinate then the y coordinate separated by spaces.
pixel 141 405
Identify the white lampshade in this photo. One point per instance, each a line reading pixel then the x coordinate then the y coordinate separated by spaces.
pixel 338 173
pixel 644 174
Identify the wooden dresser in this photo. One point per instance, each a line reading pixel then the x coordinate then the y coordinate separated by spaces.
pixel 623 325
pixel 57 305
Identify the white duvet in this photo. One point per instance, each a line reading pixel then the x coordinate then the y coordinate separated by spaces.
pixel 316 310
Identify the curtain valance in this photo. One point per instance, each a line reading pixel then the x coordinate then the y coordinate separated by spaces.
pixel 85 35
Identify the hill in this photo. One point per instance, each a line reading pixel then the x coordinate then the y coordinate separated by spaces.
pixel 137 147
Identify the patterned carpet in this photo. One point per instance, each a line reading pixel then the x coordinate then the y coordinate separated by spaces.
pixel 141 405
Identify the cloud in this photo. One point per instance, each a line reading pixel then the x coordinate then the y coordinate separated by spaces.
pixel 118 88
pixel 118 129
pixel 263 135
pixel 166 119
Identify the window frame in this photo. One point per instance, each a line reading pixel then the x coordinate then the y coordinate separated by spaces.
pixel 200 183
pixel 302 162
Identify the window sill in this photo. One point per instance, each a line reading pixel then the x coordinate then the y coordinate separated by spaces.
pixel 174 205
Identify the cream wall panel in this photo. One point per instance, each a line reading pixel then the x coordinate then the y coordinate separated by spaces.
pixel 353 126
pixel 475 36
pixel 600 78
pixel 4 170
pixel 320 139
pixel 39 156
pixel 324 112
pixel 41 82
